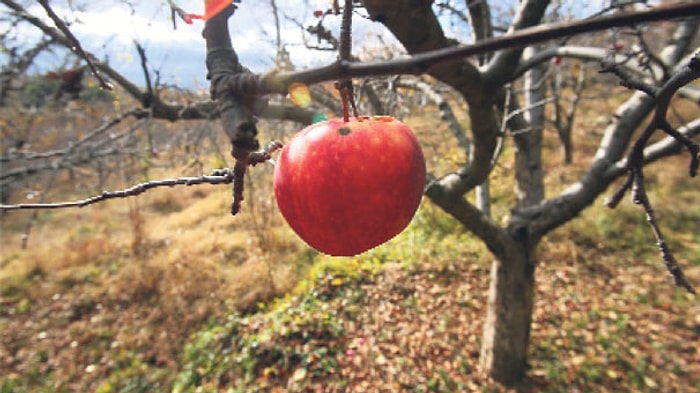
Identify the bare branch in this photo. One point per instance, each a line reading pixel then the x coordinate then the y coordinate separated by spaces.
pixel 75 44
pixel 635 163
pixel 627 79
pixel 148 101
pixel 501 66
pixel 278 82
pixel 672 265
pixel 219 176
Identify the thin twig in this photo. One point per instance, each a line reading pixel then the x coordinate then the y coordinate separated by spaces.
pixel 219 176
pixel 641 197
pixel 75 43
pixel 148 98
pixel 634 181
pixel 627 79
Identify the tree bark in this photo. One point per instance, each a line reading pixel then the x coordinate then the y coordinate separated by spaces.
pixel 511 291
pixel 509 310
pixel 529 177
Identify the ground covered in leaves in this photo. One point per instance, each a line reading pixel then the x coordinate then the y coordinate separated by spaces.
pixel 418 329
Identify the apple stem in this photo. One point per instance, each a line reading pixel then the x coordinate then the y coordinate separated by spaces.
pixel 346 96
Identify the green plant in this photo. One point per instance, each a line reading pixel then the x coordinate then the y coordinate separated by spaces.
pixel 292 338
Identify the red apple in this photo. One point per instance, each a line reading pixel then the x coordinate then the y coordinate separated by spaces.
pixel 318 13
pixel 556 60
pixel 346 187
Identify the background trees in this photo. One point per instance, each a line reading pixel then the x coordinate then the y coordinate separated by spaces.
pixel 504 92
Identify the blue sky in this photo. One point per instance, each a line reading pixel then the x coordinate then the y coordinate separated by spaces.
pixel 108 29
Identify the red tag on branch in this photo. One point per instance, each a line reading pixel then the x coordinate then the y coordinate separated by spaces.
pixel 188 18
pixel 213 7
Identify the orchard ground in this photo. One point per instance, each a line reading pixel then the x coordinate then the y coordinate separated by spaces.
pixel 168 291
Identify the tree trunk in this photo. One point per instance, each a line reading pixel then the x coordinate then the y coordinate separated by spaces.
pixel 510 303
pixel 511 293
pixel 529 177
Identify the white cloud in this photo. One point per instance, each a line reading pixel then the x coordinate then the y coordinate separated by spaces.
pixel 108 29
pixel 114 21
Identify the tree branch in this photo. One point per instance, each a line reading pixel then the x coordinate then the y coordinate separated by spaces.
pixel 74 43
pixel 652 153
pixel 501 66
pixel 219 176
pixel 420 63
pixel 468 215
pixel 635 163
pixel 635 158
pixel 278 82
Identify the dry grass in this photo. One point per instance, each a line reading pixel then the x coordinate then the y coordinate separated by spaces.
pixel 120 285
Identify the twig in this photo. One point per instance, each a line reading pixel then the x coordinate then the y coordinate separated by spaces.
pixel 635 161
pixel 75 43
pixel 627 79
pixel 147 101
pixel 239 169
pixel 179 12
pixel 277 82
pixel 219 176
pixel 639 196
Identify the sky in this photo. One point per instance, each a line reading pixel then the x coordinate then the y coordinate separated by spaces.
pixel 109 29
